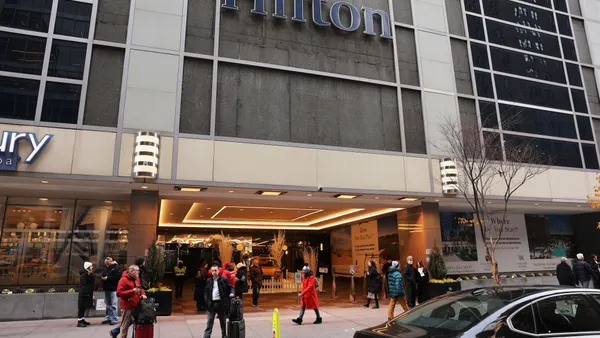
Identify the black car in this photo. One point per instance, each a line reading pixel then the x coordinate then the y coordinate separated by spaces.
pixel 506 312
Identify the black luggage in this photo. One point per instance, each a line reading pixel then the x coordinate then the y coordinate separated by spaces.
pixel 235 310
pixel 236 329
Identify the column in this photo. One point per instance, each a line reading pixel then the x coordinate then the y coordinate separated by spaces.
pixel 143 222
pixel 432 234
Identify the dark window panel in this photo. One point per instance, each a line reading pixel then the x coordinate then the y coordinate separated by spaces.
pixel 468 113
pixel 558 153
pixel 112 20
pixel 61 102
pixel 574 7
pixel 564 24
pixel 582 41
pixel 73 18
pixel 530 92
pixel 480 56
pixel 579 101
pixel 21 53
pixel 195 97
pixel 456 23
pixel 520 14
pixel 475 27
pixel 412 109
pixel 26 14
pixel 67 59
pixel 407 56
pixel 472 6
pixel 200 27
pixel 462 71
pixel 493 147
pixel 568 46
pixel 18 98
pixel 590 156
pixel 484 86
pixel 543 3
pixel 537 121
pixel 104 87
pixel 585 128
pixel 403 11
pixel 487 112
pixel 591 87
pixel 522 38
pixel 561 5
pixel 523 64
pixel 574 74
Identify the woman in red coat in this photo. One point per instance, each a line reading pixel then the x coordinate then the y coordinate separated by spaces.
pixel 308 296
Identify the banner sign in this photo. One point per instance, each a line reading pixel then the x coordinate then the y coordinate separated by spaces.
pixel 9 148
pixel 365 243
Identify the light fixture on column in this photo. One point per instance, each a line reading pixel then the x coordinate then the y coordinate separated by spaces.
pixel 449 175
pixel 146 155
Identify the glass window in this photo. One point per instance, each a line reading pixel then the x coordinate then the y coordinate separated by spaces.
pixel 520 14
pixel 590 156
pixel 480 55
pixel 567 314
pixel 484 84
pixel 579 102
pixel 195 97
pixel 529 92
pixel 523 64
pixel 73 18
pixel 487 111
pixel 493 145
pixel 564 24
pixel 26 14
pixel 35 242
pixel 558 153
pixel 544 3
pixel 537 121
pixel 472 6
pixel 524 321
pixel 18 98
pixel 585 128
pixel 61 102
pixel 407 56
pixel 21 53
pixel 67 59
pixel 569 49
pixel 413 122
pixel 560 5
pixel 475 27
pixel 522 38
pixel 574 74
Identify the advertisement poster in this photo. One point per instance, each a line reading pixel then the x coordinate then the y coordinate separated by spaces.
pixel 459 246
pixel 550 237
pixel 341 249
pixel 365 243
pixel 387 229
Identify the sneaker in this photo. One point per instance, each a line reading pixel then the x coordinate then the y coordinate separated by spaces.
pixel 105 322
pixel 366 305
pixel 297 321
pixel 318 321
pixel 81 323
pixel 376 307
pixel 86 322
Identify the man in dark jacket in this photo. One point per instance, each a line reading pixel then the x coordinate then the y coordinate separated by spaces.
pixel 582 271
pixel 256 276
pixel 564 273
pixel 410 279
pixel 110 278
pixel 595 265
pixel 217 293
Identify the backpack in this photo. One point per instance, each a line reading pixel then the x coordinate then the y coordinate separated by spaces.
pixel 241 284
pixel 146 311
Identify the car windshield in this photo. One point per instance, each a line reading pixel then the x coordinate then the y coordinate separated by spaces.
pixel 459 312
pixel 267 262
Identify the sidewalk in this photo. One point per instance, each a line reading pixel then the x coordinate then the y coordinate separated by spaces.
pixel 337 322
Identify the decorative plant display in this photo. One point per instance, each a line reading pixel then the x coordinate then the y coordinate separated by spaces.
pixel 277 247
pixel 437 266
pixel 71 290
pixel 160 289
pixel 310 256
pixel 29 291
pixel 223 242
pixel 6 292
pixel 444 281
pixel 155 265
pixel 51 290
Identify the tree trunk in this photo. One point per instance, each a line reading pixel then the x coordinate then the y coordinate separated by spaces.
pixel 493 265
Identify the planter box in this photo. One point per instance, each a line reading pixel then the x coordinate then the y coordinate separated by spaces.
pixel 517 281
pixel 436 289
pixel 164 300
pixel 22 307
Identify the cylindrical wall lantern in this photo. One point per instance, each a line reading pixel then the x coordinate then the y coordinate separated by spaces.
pixel 146 155
pixel 449 175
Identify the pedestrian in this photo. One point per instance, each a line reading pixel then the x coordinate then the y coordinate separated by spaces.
pixel 386 271
pixel 228 272
pixel 595 265
pixel 564 273
pixel 308 296
pixel 140 261
pixel 201 277
pixel 373 285
pixel 410 282
pixel 130 292
pixel 218 292
pixel 110 277
pixel 85 300
pixel 582 271
pixel 241 280
pixel 256 276
pixel 396 290
pixel 180 273
pixel 422 283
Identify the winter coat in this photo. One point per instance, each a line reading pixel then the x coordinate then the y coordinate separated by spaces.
pixel 129 298
pixel 256 276
pixel 308 295
pixel 596 268
pixel 395 284
pixel 410 275
pixel 423 286
pixel 582 271
pixel 86 290
pixel 241 281
pixel 113 274
pixel 373 280
pixel 564 274
pixel 201 278
pixel 225 289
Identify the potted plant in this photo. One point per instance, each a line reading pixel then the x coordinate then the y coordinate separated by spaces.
pixel 439 284
pixel 155 271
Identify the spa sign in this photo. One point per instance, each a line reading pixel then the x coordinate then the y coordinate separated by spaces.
pixel 368 15
pixel 9 148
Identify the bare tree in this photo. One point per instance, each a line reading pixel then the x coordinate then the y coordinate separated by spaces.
pixel 276 247
pixel 483 166
pixel 225 247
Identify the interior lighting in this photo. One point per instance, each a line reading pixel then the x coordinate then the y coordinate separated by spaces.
pixel 270 193
pixel 346 197
pixel 409 199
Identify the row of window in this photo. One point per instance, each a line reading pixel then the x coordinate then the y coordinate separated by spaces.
pixel 499 6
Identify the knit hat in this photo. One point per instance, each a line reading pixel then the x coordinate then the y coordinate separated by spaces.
pixel 305 269
pixel 87 265
pixel 395 264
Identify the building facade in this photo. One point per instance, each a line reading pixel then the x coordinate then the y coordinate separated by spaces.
pixel 278 114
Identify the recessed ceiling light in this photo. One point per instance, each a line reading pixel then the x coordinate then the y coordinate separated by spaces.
pixel 270 193
pixel 144 187
pixel 171 213
pixel 230 191
pixel 108 202
pixel 346 197
pixel 191 189
pixel 376 197
pixel 44 182
pixel 408 199
pixel 43 199
pixel 208 208
pixel 536 204
pixel 308 195
pixel 489 202
pixel 437 200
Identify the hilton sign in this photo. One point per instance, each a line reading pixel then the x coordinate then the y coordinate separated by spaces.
pixel 9 148
pixel 317 15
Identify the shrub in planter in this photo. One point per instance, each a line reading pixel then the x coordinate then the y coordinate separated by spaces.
pixel 439 284
pixel 155 271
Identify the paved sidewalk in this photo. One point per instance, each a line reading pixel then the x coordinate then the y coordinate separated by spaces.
pixel 337 322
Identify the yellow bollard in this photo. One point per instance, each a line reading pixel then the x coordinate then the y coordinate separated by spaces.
pixel 276 332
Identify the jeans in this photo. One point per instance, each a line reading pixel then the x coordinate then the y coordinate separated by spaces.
pixel 397 300
pixel 214 309
pixel 255 294
pixel 303 310
pixel 585 284
pixel 80 313
pixel 111 300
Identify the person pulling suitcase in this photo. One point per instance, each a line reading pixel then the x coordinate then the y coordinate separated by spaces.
pixel 236 327
pixel 217 293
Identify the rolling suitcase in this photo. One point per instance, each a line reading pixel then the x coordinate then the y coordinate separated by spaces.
pixel 236 329
pixel 144 330
pixel 236 312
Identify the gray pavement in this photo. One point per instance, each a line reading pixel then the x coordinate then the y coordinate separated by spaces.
pixel 337 322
